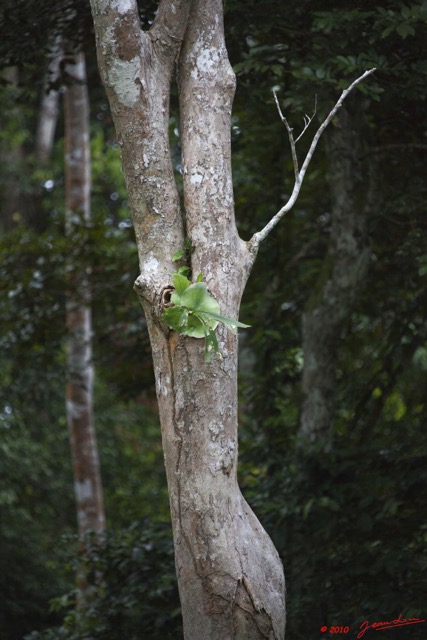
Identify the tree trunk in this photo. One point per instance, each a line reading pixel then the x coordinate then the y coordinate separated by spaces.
pixel 343 274
pixel 14 200
pixel 86 469
pixel 229 574
pixel 48 112
pixel 20 198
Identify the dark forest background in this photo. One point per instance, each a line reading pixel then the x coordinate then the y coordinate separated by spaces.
pixel 346 504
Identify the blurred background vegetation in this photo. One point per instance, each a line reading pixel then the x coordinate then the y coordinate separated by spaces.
pixel 348 519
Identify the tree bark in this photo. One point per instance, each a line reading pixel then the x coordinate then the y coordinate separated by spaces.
pixel 352 185
pixel 79 392
pixel 229 574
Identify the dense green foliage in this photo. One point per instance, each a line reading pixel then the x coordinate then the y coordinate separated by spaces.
pixel 350 523
pixel 137 595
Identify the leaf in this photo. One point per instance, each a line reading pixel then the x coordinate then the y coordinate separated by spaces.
pixel 229 322
pixel 405 29
pixel 196 326
pixel 422 265
pixel 307 508
pixel 196 298
pixel 386 32
pixel 211 342
pixel 184 271
pixel 329 503
pixel 178 255
pixel 176 318
pixel 181 283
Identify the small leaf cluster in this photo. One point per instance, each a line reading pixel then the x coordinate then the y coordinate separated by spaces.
pixel 195 313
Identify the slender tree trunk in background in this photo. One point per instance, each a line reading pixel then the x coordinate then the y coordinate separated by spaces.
pixel 84 451
pixel 20 197
pixel 48 113
pixel 343 274
pixel 13 202
pixel 229 574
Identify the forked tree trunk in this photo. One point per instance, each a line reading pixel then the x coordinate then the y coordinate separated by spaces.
pixel 84 451
pixel 230 576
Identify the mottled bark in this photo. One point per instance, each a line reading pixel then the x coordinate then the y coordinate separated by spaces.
pixel 352 179
pixel 229 574
pixel 84 451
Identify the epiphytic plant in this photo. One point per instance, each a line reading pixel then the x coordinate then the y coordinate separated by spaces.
pixel 192 311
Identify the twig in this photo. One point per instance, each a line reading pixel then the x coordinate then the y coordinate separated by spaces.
pixel 308 120
pixel 258 237
pixel 290 136
pixel 292 141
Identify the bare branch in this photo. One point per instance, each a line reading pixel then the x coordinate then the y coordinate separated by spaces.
pixel 290 135
pixel 292 141
pixel 257 238
pixel 325 123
